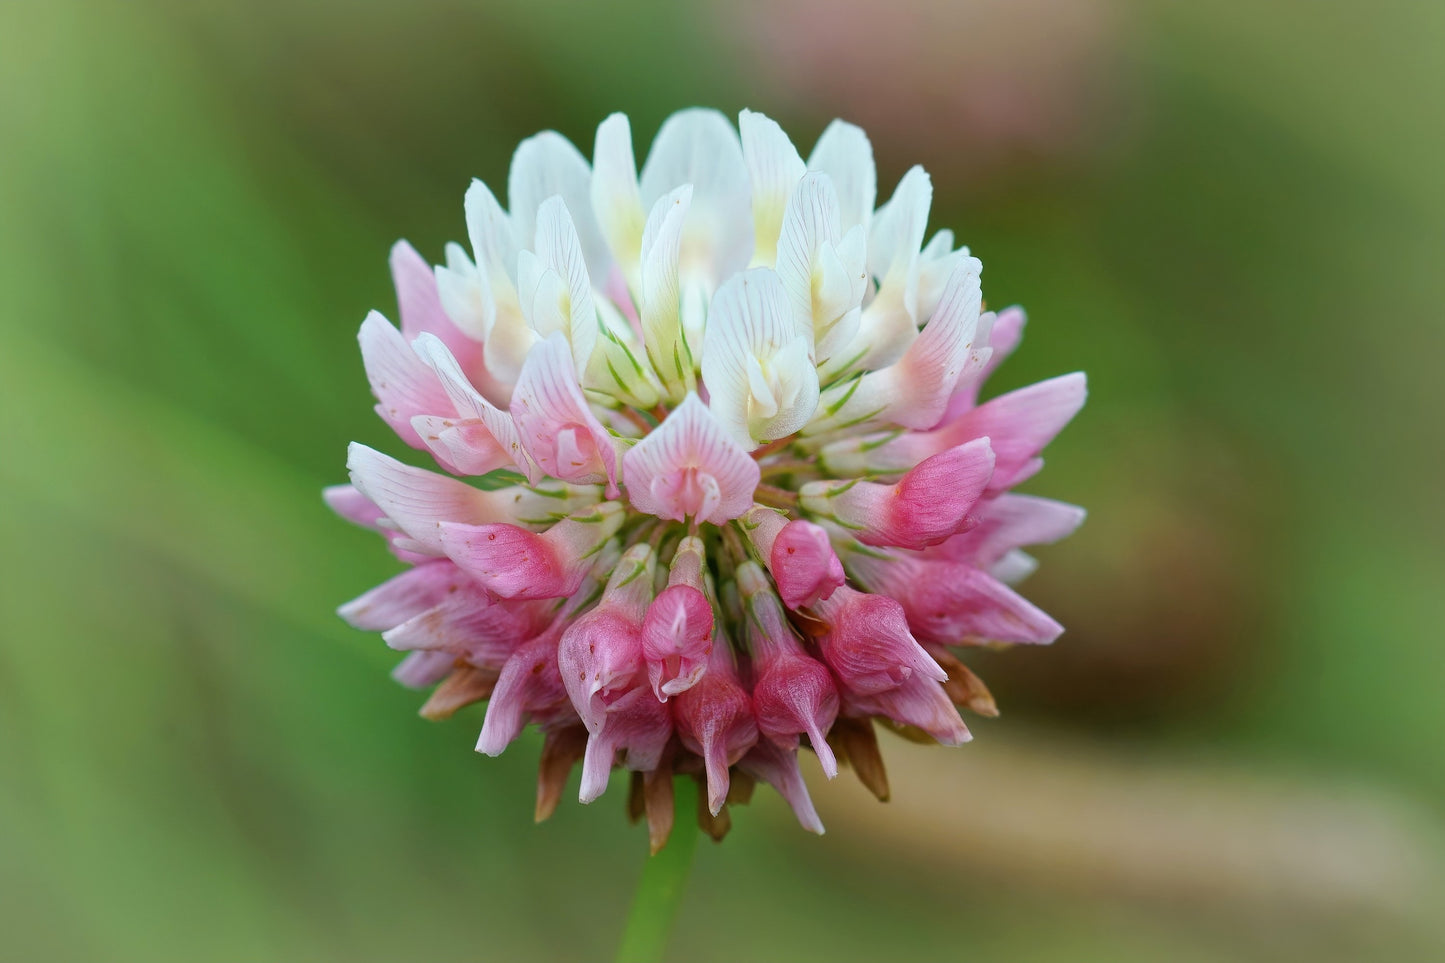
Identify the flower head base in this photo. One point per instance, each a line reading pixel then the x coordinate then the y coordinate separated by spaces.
pixel 726 490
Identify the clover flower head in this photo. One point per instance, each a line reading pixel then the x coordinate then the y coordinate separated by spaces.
pixel 716 482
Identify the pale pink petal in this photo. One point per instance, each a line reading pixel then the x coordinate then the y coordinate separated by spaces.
pixel 688 467
pixel 1007 332
pixel 483 435
pixel 403 384
pixel 421 669
pixel 555 422
pixel 529 681
pixel 420 307
pixel 918 702
pixel 779 768
pixel 353 506
pixel 402 597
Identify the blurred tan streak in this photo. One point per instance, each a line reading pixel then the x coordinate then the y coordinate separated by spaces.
pixel 1074 817
pixel 969 83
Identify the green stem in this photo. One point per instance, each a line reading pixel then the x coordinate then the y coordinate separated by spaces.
pixel 664 877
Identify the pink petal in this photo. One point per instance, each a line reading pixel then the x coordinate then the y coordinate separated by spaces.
pixel 928 505
pixel 867 642
pixel 677 639
pixel 471 624
pixel 715 720
pixel 688 467
pixel 917 702
pixel 403 384
pixel 421 669
pixel 350 504
pixel 515 563
pixel 637 724
pixel 555 422
pixel 804 564
pixel 529 681
pixel 481 436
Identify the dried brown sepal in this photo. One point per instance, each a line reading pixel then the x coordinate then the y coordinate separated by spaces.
pixel 740 788
pixel 855 740
pixel 635 805
pixel 561 750
pixel 658 799
pixel 467 684
pixel 715 826
pixel 964 688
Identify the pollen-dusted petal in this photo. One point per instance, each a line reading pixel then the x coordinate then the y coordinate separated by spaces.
pixel 515 563
pixel 913 392
pixel 402 596
pixel 804 564
pixel 667 347
pixel 483 437
pixel 867 643
pixel 778 768
pixel 403 384
pixel 774 169
pixel 616 200
pixel 755 365
pixel 846 156
pixel 555 422
pixel 545 165
pixel 928 505
pixel 714 718
pixel 688 467
pixel 701 148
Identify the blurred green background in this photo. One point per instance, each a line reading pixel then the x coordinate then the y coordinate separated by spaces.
pixel 1231 214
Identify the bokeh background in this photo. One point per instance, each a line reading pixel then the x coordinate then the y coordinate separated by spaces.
pixel 1231 214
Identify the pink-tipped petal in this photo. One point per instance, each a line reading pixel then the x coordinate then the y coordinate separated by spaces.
pixel 420 307
pixel 529 682
pixel 928 505
pixel 1006 333
pixel 481 437
pixel 1009 522
pixel 688 467
pixel 514 563
pixel 403 384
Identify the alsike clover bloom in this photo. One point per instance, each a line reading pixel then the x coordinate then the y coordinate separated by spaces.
pixel 719 485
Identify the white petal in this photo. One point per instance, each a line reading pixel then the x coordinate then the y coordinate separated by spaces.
pixel 913 392
pixel 774 169
pixel 544 165
pixel 667 348
pixel 616 200
pixel 890 321
pixel 845 155
pixel 493 243
pixel 699 147
pixel 465 294
pixel 559 248
pixel 752 334
pixel 689 466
